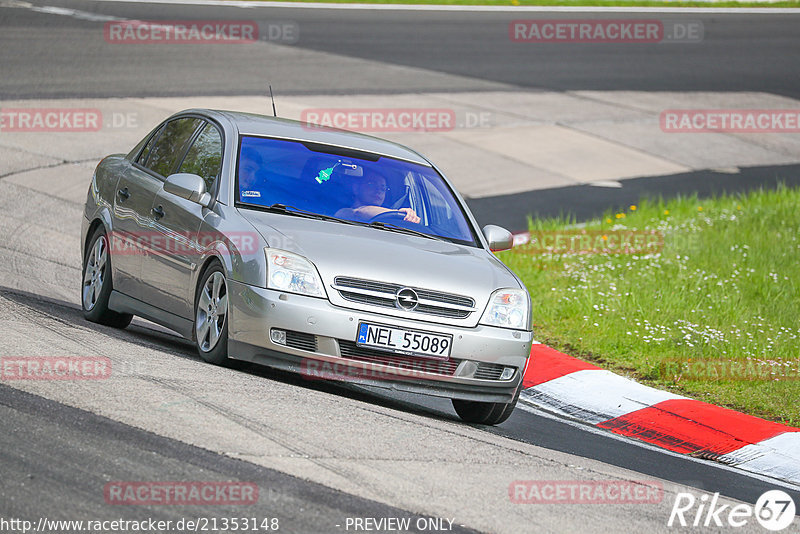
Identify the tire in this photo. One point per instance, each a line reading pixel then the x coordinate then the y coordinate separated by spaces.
pixel 97 284
pixel 211 316
pixel 485 413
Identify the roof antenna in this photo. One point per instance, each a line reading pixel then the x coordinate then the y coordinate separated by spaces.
pixel 275 113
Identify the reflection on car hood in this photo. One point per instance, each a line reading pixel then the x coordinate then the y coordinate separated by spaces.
pixel 369 253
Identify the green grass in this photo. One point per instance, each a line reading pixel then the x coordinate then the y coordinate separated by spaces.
pixel 636 3
pixel 722 294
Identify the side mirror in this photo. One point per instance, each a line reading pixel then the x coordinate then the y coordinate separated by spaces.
pixel 188 186
pixel 498 237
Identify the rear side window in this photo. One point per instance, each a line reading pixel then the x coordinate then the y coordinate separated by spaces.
pixel 171 145
pixel 205 156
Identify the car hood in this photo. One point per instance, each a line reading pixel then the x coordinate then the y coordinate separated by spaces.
pixel 368 253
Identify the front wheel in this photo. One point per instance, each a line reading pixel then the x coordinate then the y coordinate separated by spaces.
pixel 211 316
pixel 485 413
pixel 97 285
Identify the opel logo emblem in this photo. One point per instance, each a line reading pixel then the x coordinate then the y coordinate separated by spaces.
pixel 407 299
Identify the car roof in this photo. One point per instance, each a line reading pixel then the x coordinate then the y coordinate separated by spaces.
pixel 253 124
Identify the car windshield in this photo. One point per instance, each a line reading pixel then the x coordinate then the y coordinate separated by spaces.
pixel 348 184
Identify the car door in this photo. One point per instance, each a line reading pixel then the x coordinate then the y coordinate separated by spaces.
pixel 174 254
pixel 132 220
pixel 135 198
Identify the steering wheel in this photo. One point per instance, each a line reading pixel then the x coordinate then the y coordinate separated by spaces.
pixel 393 215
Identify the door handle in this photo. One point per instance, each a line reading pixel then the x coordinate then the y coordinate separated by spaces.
pixel 124 194
pixel 158 212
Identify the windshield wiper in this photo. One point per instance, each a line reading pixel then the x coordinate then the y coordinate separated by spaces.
pixel 402 229
pixel 293 210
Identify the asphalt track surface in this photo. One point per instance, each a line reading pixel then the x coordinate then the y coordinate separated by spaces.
pixel 41 479
pixel 60 56
pixel 65 446
pixel 752 53
pixel 585 202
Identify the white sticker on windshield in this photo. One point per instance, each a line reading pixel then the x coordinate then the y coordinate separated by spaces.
pixel 254 194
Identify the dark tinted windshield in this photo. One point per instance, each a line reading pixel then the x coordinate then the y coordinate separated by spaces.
pixel 350 185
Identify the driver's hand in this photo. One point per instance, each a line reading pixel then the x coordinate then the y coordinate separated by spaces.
pixel 411 215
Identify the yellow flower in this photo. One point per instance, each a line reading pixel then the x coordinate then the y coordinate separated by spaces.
pixel 666 212
pixel 605 238
pixel 608 221
pixel 699 208
pixel 738 207
pixel 633 207
pixel 618 215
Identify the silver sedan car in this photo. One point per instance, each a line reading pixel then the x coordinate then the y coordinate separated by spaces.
pixel 327 253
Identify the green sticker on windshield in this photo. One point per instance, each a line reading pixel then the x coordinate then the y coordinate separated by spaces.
pixel 324 175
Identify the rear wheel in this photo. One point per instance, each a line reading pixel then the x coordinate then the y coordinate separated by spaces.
pixel 97 284
pixel 211 316
pixel 485 413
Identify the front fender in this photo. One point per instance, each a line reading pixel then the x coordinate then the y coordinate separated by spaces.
pixel 235 243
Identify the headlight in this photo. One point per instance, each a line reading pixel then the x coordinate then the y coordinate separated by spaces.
pixel 508 308
pixel 293 274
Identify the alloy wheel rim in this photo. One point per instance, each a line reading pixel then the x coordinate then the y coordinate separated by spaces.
pixel 95 273
pixel 212 308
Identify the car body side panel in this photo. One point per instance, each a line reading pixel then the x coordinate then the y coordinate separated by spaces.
pixel 133 227
pixel 174 251
pixel 99 199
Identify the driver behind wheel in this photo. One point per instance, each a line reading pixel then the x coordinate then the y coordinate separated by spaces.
pixel 369 194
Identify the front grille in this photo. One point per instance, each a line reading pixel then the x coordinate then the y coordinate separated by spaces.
pixel 301 341
pixel 351 351
pixel 488 371
pixel 384 294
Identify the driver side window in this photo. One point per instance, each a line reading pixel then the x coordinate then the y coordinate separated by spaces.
pixel 171 144
pixel 205 156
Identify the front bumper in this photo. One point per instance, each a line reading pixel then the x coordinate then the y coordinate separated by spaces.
pixel 322 346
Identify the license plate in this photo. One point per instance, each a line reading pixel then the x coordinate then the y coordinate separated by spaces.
pixel 404 341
